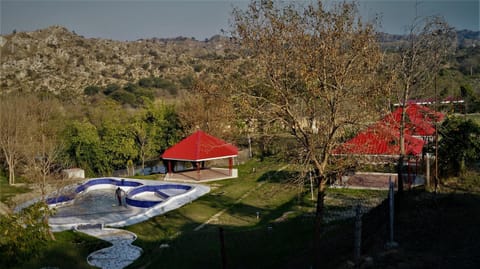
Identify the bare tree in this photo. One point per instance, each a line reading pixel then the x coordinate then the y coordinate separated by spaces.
pixel 12 129
pixel 315 74
pixel 142 139
pixel 209 108
pixel 43 148
pixel 416 64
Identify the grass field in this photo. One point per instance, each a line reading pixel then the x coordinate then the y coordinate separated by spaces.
pixel 7 191
pixel 283 229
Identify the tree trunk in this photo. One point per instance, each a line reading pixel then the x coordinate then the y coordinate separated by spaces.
pixel 400 169
pixel 318 222
pixel 11 171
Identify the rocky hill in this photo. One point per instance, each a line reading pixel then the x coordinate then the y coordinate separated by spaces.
pixel 59 61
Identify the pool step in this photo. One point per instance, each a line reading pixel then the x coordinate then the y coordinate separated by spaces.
pixel 89 226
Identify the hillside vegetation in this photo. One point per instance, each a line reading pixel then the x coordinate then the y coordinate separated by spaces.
pixel 59 61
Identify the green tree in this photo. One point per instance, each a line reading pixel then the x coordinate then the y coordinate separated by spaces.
pixel 23 234
pixel 83 146
pixel 117 142
pixel 459 147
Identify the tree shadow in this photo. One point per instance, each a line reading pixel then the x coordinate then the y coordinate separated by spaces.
pixel 278 176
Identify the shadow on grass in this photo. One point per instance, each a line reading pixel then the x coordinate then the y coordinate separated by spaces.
pixel 261 246
pixel 69 250
pixel 278 176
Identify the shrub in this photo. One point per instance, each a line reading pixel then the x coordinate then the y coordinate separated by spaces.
pixel 91 90
pixel 187 81
pixel 145 82
pixel 124 97
pixel 111 88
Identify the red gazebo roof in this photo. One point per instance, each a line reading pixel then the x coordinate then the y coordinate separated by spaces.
pixel 200 146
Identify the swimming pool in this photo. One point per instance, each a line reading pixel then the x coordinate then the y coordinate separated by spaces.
pixel 93 202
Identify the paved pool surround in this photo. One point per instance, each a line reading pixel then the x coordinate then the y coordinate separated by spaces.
pixel 93 202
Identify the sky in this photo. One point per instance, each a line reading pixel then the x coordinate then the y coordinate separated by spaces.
pixel 201 19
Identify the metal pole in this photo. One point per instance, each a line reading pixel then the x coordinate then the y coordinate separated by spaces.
pixel 427 172
pixel 357 234
pixel 392 208
pixel 391 197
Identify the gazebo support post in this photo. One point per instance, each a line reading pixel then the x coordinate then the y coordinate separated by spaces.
pixel 170 167
pixel 198 170
pixel 230 166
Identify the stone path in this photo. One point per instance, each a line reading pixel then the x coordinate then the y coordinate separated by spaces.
pixel 120 254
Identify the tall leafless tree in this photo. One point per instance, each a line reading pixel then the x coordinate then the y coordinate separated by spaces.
pixel 315 74
pixel 43 148
pixel 415 66
pixel 12 129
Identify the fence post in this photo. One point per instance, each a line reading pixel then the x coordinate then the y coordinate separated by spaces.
pixel 357 234
pixel 222 248
pixel 391 205
pixel 427 172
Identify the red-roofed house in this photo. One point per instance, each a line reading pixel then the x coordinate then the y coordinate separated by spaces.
pixel 380 140
pixel 420 120
pixel 383 138
pixel 198 148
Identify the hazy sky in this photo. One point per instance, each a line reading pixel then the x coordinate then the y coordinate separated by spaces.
pixel 135 19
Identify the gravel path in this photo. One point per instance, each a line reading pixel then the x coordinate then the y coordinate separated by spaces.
pixel 120 254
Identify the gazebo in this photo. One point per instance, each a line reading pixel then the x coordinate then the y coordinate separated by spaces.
pixel 196 149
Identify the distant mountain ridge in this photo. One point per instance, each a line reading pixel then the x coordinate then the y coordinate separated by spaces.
pixel 57 60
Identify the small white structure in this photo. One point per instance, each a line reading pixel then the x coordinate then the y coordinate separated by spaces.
pixel 74 173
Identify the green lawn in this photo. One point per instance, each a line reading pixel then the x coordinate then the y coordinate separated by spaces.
pixel 282 233
pixel 8 191
pixel 283 229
